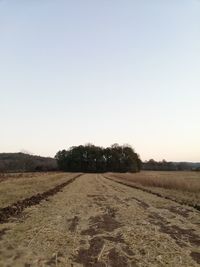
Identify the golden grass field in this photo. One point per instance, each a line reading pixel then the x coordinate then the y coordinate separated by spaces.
pixel 179 180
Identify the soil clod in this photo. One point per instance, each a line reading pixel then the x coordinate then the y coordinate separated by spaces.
pixel 195 256
pixel 89 257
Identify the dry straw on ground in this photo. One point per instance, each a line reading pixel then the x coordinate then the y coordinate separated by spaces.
pixel 185 181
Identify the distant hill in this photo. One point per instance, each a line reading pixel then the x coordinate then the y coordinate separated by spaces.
pixel 21 162
pixel 170 166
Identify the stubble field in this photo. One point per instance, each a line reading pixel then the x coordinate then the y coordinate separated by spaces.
pixel 115 220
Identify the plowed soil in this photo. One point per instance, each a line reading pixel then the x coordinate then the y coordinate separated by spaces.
pixel 93 221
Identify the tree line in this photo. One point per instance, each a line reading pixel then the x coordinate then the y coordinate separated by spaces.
pixel 91 158
pixel 164 165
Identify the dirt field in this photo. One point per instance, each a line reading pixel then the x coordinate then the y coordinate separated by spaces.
pixel 90 220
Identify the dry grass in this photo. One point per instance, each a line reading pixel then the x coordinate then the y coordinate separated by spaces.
pixel 183 187
pixel 44 237
pixel 20 186
pixel 184 181
pixel 6 176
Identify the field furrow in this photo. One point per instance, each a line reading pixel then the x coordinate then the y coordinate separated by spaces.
pixel 17 208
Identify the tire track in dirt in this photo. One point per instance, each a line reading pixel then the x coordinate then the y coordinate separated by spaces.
pixel 17 208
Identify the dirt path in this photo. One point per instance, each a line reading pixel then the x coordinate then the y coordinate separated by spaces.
pixel 97 222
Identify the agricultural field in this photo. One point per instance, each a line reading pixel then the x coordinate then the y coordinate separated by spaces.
pixel 111 219
pixel 182 187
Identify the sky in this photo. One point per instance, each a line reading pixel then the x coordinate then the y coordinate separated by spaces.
pixel 104 72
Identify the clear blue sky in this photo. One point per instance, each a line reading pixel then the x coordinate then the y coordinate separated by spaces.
pixel 73 72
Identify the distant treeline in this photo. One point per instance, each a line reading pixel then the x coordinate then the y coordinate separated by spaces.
pixel 170 166
pixel 20 162
pixel 90 158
